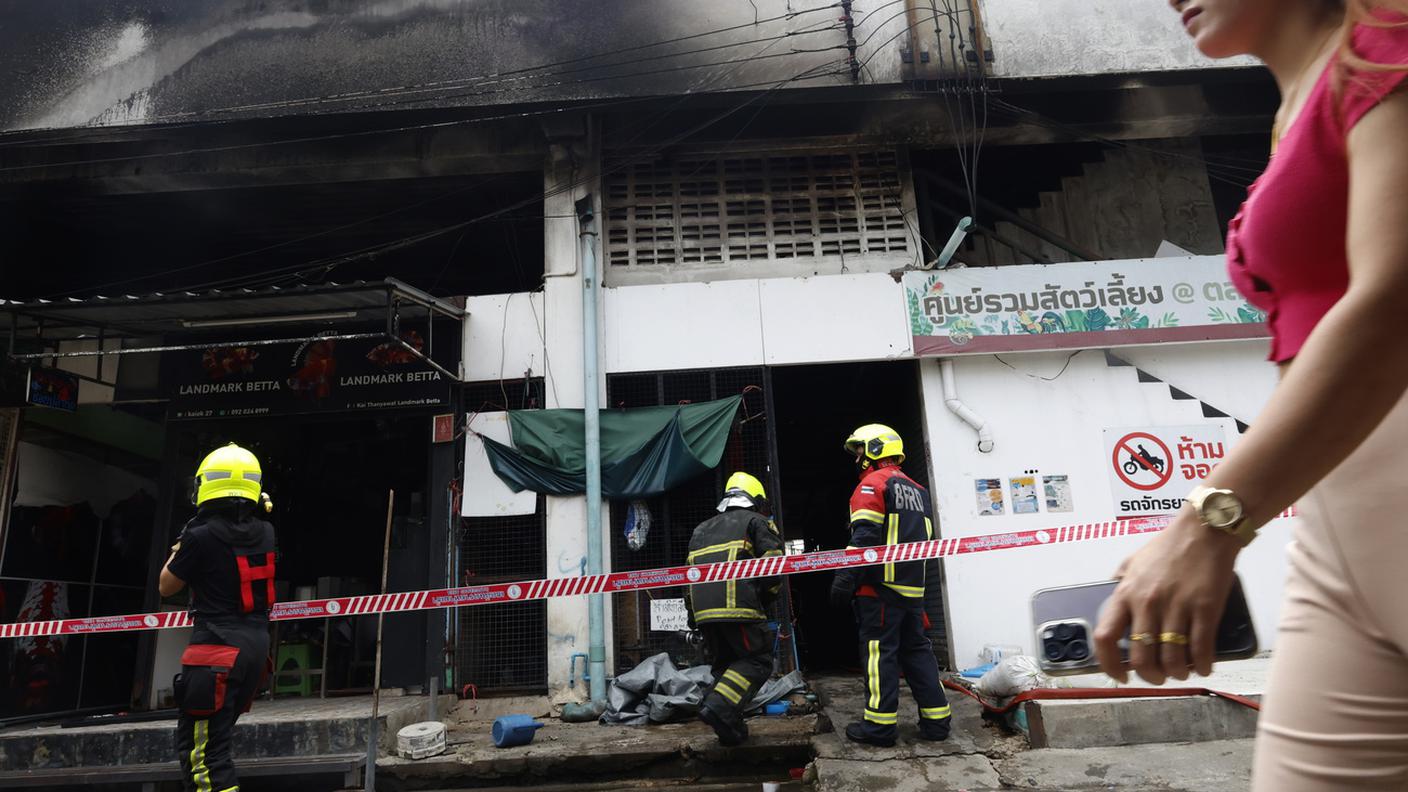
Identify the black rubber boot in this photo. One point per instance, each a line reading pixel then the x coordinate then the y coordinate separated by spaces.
pixel 935 731
pixel 729 734
pixel 857 732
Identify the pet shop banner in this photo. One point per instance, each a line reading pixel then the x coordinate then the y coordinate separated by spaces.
pixel 319 375
pixel 1078 305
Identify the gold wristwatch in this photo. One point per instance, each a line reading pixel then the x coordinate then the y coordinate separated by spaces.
pixel 1221 510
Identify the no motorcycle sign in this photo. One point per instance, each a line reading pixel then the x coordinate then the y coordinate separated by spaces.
pixel 1152 469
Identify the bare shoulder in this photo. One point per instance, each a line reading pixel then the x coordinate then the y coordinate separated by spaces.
pixel 1381 134
pixel 1377 239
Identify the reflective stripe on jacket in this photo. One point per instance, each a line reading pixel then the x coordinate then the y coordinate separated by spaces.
pixel 889 508
pixel 734 535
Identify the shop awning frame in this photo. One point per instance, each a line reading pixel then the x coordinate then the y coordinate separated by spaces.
pixel 339 312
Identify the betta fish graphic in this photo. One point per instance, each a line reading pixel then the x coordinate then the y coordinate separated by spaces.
pixel 315 377
pixel 226 361
pixel 391 354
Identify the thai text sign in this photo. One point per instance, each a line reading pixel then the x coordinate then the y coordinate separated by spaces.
pixel 1078 305
pixel 1153 469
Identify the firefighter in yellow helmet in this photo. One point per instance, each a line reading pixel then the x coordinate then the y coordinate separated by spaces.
pixel 226 555
pixel 889 508
pixel 732 615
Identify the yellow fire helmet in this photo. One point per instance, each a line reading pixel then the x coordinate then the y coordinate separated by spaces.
pixel 229 472
pixel 876 442
pixel 748 485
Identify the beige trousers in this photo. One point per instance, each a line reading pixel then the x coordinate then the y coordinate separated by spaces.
pixel 1335 714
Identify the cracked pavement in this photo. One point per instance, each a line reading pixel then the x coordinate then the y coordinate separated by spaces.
pixel 979 757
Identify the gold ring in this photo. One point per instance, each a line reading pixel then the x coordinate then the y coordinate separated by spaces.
pixel 1173 638
pixel 1145 638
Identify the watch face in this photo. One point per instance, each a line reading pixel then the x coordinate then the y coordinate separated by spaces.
pixel 1222 510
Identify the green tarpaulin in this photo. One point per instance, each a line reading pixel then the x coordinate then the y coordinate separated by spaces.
pixel 645 451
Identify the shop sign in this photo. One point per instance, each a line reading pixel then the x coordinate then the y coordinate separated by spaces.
pixel 1153 469
pixel 319 375
pixel 53 388
pixel 1078 305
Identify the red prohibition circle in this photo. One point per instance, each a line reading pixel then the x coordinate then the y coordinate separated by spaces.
pixel 1125 444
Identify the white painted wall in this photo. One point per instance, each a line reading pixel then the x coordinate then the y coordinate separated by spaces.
pixel 777 321
pixel 504 336
pixel 1056 428
pixel 1052 38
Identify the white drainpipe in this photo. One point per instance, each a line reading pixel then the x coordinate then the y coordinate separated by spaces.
pixel 963 411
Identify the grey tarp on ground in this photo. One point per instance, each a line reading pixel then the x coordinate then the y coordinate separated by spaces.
pixel 657 692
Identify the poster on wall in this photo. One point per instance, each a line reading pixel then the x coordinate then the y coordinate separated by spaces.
pixel 1058 493
pixel 1024 495
pixel 318 375
pixel 669 615
pixel 990 499
pixel 1077 305
pixel 1153 468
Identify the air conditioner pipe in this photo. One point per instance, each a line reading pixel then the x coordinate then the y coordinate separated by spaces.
pixel 963 411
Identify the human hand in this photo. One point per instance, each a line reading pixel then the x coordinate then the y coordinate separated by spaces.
pixel 1176 586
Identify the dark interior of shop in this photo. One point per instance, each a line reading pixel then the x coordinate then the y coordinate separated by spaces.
pixel 330 480
pixel 816 408
pixel 78 544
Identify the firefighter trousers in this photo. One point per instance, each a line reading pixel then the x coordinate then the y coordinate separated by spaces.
pixel 892 641
pixel 742 663
pixel 221 672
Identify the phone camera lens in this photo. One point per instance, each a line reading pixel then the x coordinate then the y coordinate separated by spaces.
pixel 1053 649
pixel 1077 650
pixel 1065 632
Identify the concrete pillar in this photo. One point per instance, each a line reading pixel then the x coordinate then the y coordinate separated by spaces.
pixel 1051 215
pixel 1082 205
pixel 1185 197
pixel 567 177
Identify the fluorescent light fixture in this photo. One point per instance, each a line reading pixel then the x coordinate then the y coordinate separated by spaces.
pixel 265 320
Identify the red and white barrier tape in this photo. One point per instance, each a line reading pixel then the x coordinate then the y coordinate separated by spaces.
pixel 613 582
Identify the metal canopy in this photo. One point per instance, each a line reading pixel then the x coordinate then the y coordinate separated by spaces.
pixel 213 319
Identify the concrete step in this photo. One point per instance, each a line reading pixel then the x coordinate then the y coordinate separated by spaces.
pixel 285 727
pixel 590 753
pixel 1138 721
pixel 1110 722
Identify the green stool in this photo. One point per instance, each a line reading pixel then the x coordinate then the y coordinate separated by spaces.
pixel 293 657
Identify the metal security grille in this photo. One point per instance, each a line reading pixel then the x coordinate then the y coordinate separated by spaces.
pixel 711 209
pixel 675 515
pixel 502 648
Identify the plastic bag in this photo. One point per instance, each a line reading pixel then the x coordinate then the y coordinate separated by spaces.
pixel 637 524
pixel 1016 674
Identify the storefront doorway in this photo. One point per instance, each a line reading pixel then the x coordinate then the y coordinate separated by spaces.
pixel 816 407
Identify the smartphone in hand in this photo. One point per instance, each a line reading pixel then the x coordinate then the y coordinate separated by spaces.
pixel 1066 617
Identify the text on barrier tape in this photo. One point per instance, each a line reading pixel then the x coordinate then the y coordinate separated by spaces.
pixel 610 583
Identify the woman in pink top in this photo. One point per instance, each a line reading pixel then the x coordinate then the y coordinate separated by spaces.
pixel 1321 244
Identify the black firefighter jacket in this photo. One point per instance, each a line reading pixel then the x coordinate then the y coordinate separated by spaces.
pixel 734 535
